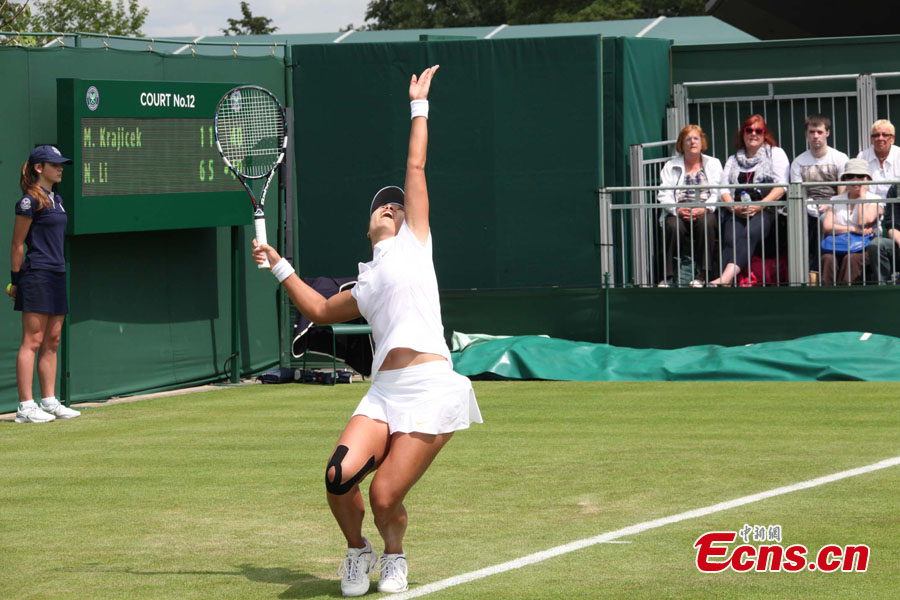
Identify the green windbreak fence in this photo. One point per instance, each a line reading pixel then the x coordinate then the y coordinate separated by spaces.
pixel 514 155
pixel 522 134
pixel 674 318
pixel 785 58
pixel 150 309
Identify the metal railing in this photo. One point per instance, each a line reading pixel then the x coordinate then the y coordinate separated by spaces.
pixel 77 36
pixel 720 113
pixel 634 240
pixel 853 101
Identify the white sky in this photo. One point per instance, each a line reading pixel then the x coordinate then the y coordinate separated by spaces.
pixel 170 18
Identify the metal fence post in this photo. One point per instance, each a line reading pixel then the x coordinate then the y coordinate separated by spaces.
pixel 798 241
pixel 679 98
pixel 672 120
pixel 640 245
pixel 606 237
pixel 865 107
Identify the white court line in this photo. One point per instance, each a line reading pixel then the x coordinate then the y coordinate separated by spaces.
pixel 640 527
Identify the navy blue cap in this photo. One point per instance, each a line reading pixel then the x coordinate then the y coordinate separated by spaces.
pixel 47 153
pixel 387 195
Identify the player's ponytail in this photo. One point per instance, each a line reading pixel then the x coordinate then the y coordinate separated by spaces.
pixel 29 184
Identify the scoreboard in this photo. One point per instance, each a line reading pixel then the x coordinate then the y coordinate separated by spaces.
pixel 145 157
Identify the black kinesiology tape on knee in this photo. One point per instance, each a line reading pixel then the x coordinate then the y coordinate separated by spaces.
pixel 335 486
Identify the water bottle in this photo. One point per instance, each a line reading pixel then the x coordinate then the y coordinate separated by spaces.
pixel 745 197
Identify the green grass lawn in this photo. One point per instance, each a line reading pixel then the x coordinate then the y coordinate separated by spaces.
pixel 221 494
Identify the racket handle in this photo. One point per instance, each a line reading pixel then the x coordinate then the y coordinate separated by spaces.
pixel 259 221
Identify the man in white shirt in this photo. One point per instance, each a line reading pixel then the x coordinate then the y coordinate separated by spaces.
pixel 882 156
pixel 820 163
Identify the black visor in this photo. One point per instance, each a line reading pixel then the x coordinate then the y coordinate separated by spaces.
pixel 387 195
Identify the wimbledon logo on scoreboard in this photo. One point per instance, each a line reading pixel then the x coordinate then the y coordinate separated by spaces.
pixel 92 98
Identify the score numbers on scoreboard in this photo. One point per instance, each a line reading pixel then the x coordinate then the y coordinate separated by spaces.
pixel 144 157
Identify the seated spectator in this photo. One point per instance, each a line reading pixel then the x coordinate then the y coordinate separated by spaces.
pixel 884 250
pixel 843 219
pixel 883 157
pixel 689 233
pixel 819 163
pixel 758 159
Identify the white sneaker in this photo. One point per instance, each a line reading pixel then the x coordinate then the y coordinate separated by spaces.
pixel 355 569
pixel 33 414
pixel 60 410
pixel 393 573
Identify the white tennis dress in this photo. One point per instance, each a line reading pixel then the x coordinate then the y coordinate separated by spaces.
pixel 397 293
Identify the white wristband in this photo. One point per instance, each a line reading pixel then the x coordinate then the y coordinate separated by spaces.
pixel 282 270
pixel 418 108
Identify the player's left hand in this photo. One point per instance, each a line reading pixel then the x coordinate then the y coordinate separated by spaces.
pixel 263 251
pixel 419 86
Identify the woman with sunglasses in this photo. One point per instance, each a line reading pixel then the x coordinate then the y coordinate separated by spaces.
pixel 882 157
pixel 843 219
pixel 757 159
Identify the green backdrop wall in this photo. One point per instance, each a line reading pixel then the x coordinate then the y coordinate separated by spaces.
pixel 522 134
pixel 152 309
pixel 786 58
pixel 514 155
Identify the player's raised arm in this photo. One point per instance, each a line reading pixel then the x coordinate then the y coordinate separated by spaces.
pixel 416 188
pixel 314 306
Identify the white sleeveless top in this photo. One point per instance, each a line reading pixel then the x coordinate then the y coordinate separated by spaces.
pixel 397 293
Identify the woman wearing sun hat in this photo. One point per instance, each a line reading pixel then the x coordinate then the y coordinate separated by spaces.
pixel 840 220
pixel 38 283
pixel 416 400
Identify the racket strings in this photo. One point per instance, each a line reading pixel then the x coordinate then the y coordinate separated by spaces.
pixel 250 130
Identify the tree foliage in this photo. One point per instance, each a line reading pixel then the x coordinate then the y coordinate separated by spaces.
pixel 94 16
pixel 424 14
pixel 248 24
pixel 69 16
pixel 16 16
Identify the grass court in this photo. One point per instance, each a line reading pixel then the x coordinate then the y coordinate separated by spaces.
pixel 221 494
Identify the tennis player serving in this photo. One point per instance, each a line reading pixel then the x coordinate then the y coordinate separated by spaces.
pixel 416 400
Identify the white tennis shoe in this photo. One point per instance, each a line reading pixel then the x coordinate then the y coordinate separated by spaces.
pixel 33 414
pixel 393 573
pixel 355 569
pixel 59 410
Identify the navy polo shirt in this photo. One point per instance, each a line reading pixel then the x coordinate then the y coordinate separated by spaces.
pixel 46 235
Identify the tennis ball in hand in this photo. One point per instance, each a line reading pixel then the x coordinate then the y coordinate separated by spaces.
pixel 8 287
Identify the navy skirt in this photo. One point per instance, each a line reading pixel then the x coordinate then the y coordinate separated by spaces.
pixel 43 292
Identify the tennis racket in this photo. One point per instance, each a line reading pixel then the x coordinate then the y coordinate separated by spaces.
pixel 251 136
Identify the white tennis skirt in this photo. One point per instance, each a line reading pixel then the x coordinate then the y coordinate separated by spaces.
pixel 428 398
